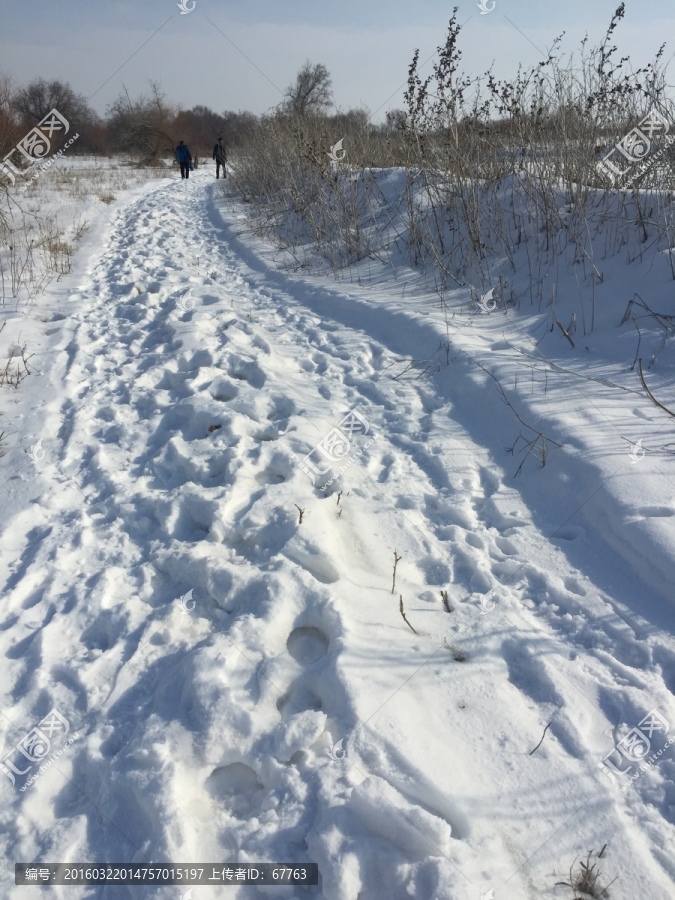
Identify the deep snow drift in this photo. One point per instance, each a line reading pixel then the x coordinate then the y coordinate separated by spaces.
pixel 242 684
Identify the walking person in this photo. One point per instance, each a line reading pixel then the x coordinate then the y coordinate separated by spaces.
pixel 184 158
pixel 220 156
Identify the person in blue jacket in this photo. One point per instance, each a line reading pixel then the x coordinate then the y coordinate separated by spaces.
pixel 184 158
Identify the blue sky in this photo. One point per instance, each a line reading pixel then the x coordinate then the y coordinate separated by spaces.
pixel 240 55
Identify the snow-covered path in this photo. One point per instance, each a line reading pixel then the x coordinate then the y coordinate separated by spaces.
pixel 242 684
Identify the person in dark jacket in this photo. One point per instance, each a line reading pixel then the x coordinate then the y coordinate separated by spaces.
pixel 184 158
pixel 220 156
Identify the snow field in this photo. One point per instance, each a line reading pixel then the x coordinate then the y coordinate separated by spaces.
pixel 285 711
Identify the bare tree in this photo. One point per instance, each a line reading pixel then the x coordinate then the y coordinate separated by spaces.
pixel 311 93
pixel 10 127
pixel 394 120
pixel 33 102
pixel 143 124
pixel 239 126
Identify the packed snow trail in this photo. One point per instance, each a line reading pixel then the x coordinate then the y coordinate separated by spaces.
pixel 242 684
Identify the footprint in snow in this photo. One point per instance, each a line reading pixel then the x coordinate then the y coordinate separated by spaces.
pixel 310 560
pixel 246 371
pixel 298 699
pixel 307 644
pixel 568 534
pixel 654 512
pixel 238 788
pixel 223 390
pixel 301 709
pixel 573 586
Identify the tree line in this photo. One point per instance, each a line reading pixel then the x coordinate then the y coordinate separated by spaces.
pixel 149 126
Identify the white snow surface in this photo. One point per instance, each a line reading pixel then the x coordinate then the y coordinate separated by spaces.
pixel 208 650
